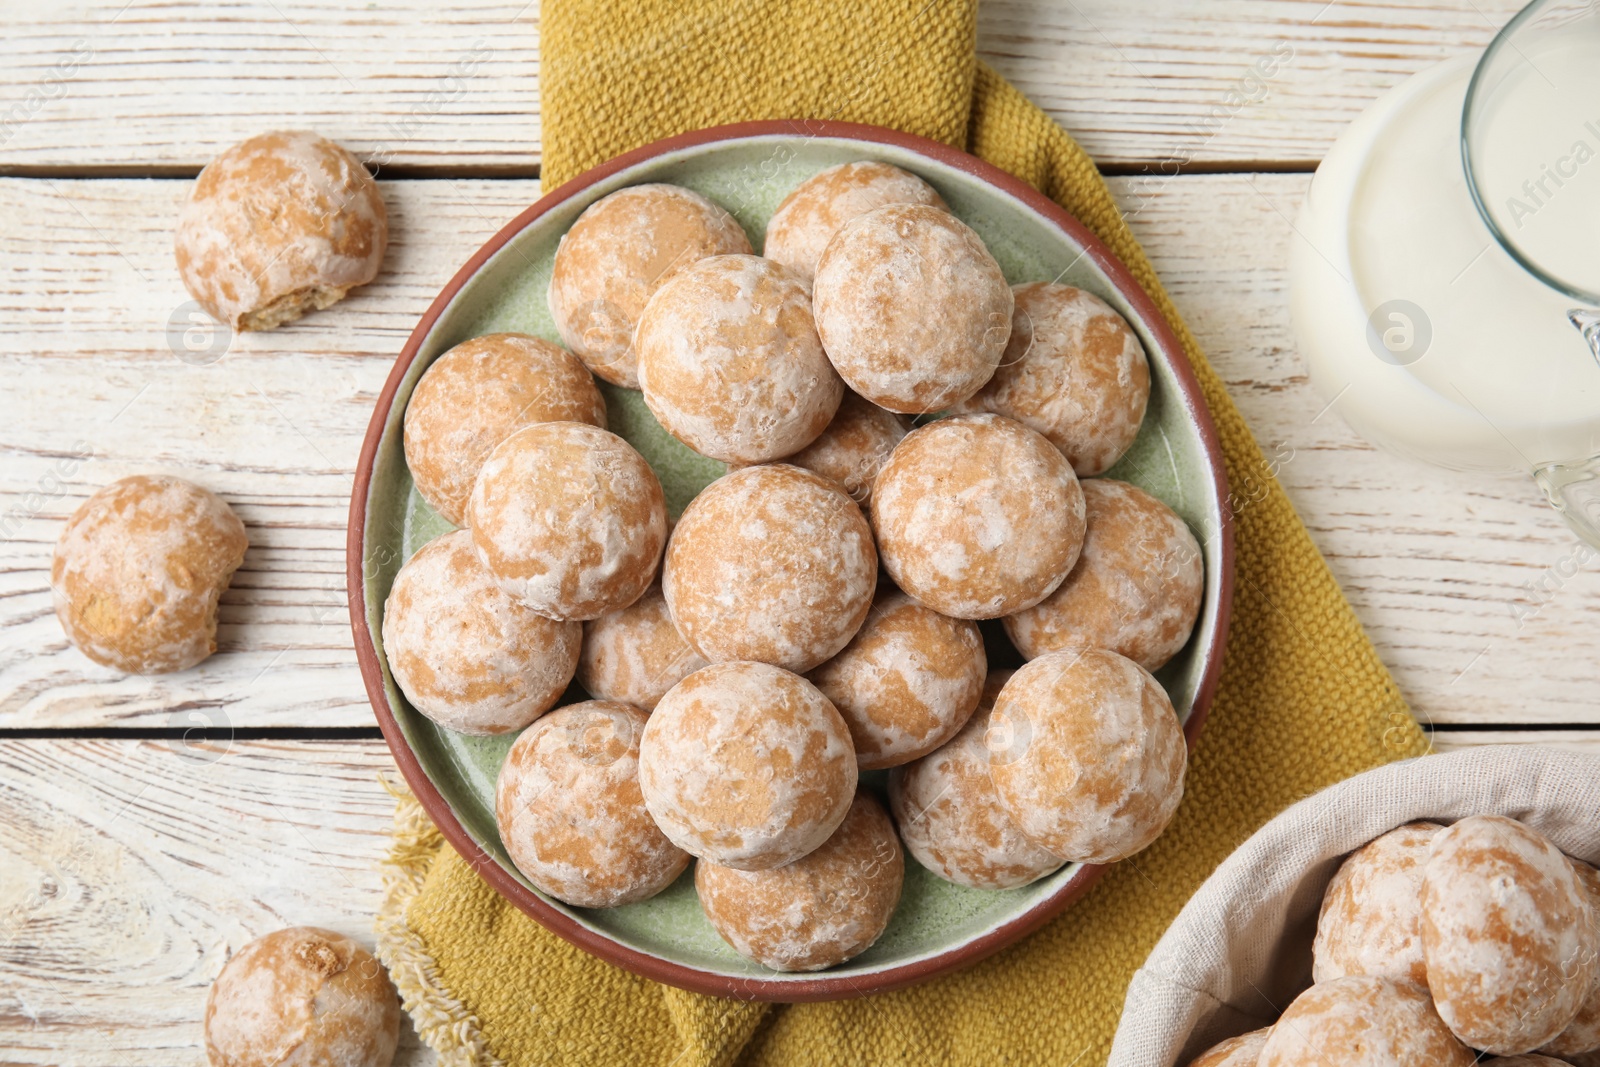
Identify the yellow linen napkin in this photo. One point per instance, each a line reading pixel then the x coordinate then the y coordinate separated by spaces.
pixel 1303 703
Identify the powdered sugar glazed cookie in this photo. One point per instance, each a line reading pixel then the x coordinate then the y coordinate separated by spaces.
pixel 809 217
pixel 569 519
pixel 1363 1021
pixel 912 308
pixel 977 516
pixel 1371 918
pixel 730 362
pixel 1136 588
pixel 465 652
pixel 907 681
pixel 1582 1035
pixel 1241 1051
pixel 622 248
pixel 478 394
pixel 635 654
pixel 770 563
pixel 1075 371
pixel 854 447
pixel 820 910
pixel 1087 755
pixel 747 765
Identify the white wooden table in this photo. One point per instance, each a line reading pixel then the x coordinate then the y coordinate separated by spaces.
pixel 135 856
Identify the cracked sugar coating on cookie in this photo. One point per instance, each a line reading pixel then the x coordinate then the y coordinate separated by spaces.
pixel 1371 916
pixel 571 814
pixel 747 765
pixel 854 447
pixel 569 519
pixel 1582 1035
pixel 1508 935
pixel 636 654
pixel 302 996
pixel 977 516
pixel 138 570
pixel 1136 588
pixel 277 226
pixel 808 218
pixel 912 308
pixel 1087 755
pixel 819 910
pixel 1241 1051
pixel 1363 1021
pixel 907 681
pixel 465 652
pixel 621 249
pixel 478 394
pixel 950 815
pixel 1075 371
pixel 730 362
pixel 770 563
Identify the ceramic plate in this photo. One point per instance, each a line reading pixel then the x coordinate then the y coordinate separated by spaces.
pixel 749 169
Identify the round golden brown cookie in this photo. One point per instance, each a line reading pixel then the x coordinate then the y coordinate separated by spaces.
pixel 818 911
pixel 466 653
pixel 1087 755
pixel 138 571
pixel 746 765
pixel 279 225
pixel 1363 1021
pixel 1241 1051
pixel 569 519
pixel 1371 917
pixel 907 681
pixel 1508 935
pixel 570 812
pixel 302 995
pixel 912 308
pixel 478 394
pixel 809 217
pixel 977 516
pixel 1075 371
pixel 1135 589
pixel 854 447
pixel 730 362
pixel 770 563
pixel 950 816
pixel 1582 1035
pixel 621 249
pixel 635 654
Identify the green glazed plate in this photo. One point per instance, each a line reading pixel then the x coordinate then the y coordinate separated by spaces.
pixel 749 169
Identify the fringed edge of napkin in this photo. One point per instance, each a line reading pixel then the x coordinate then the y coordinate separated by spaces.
pixel 443 1022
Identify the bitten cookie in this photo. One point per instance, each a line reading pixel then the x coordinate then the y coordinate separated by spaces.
pixel 1074 370
pixel 1087 755
pixel 1135 589
pixel 622 248
pixel 1363 1021
pixel 730 362
pixel 818 911
pixel 304 996
pixel 636 654
pixel 569 519
pixel 977 516
pixel 809 217
pixel 478 394
pixel 1582 1035
pixel 746 765
pixel 770 563
pixel 570 812
pixel 465 652
pixel 951 818
pixel 1371 917
pixel 907 681
pixel 1508 936
pixel 279 225
pixel 1241 1051
pixel 913 310
pixel 138 571
pixel 854 447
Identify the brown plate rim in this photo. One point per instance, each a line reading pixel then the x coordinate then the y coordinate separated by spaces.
pixel 821 986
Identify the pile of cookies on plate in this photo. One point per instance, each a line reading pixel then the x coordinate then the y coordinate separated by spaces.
pixel 748 662
pixel 1435 941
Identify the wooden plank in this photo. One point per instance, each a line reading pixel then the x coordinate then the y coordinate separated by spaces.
pixel 152 88
pixel 1454 575
pixel 1571 740
pixel 134 869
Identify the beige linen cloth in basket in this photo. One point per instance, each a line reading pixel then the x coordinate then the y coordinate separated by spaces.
pixel 1240 950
